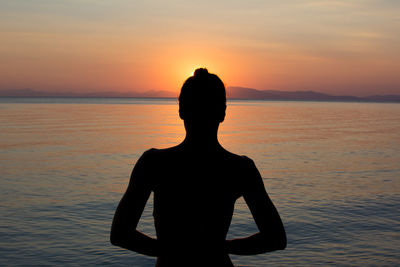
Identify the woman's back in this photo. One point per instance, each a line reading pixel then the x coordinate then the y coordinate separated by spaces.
pixel 194 196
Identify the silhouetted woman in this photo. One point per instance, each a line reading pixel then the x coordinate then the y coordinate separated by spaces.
pixel 195 185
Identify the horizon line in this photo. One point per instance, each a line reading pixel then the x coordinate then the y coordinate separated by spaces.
pixel 144 94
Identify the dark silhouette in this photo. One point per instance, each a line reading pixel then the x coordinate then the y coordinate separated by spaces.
pixel 195 187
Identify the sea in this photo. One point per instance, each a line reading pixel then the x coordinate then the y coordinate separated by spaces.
pixel 332 170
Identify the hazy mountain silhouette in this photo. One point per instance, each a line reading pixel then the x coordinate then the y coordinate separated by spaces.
pixel 249 93
pixel 232 93
pixel 27 92
pixel 384 98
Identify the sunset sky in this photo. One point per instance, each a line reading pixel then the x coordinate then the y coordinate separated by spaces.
pixel 336 47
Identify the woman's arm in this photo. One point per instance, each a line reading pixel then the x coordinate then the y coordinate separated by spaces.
pixel 129 211
pixel 271 235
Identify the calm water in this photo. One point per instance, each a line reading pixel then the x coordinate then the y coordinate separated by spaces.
pixel 332 170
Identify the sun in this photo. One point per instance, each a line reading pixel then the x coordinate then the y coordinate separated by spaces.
pixel 190 70
pixel 186 70
pixel 179 64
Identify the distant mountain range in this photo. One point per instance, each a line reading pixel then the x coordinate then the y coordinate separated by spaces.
pixel 37 93
pixel 232 93
pixel 250 93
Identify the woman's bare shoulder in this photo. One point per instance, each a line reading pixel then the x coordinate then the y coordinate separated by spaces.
pixel 159 153
pixel 163 151
pixel 243 160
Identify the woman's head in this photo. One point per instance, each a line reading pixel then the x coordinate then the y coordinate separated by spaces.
pixel 202 98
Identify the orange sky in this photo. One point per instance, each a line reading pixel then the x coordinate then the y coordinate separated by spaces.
pixel 337 47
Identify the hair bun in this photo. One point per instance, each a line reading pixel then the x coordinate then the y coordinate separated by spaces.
pixel 200 72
